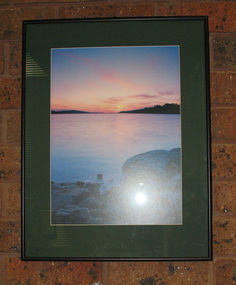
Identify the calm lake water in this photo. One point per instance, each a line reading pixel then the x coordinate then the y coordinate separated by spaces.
pixel 84 145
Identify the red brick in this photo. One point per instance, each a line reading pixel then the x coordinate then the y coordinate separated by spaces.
pixel 1 201
pixel 223 160
pixel 105 10
pixel 11 20
pixel 10 163
pixel 50 1
pixel 10 236
pixel 1 58
pixel 225 271
pixel 223 123
pixel 51 273
pixel 224 52
pixel 223 87
pixel 221 15
pixel 224 197
pixel 14 127
pixel 13 203
pixel 4 2
pixel 10 93
pixel 1 134
pixel 224 238
pixel 158 273
pixel 15 58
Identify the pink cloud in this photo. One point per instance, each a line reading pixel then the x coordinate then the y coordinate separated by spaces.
pixel 113 77
pixel 144 96
pixel 170 92
pixel 113 100
pixel 108 75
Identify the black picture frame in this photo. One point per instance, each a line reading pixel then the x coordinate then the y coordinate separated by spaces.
pixel 189 241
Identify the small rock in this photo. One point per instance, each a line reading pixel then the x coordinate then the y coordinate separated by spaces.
pixel 80 184
pixel 93 186
pixel 99 176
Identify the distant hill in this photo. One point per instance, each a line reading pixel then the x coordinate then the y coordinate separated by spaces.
pixel 158 109
pixel 68 112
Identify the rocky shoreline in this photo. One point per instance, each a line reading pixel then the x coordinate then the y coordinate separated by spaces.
pixel 155 176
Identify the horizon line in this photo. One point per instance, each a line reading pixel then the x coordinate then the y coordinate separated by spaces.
pixel 94 112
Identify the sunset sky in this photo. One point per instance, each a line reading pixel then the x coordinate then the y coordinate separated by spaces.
pixel 114 79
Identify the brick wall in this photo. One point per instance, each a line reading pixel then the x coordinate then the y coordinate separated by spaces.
pixel 222 25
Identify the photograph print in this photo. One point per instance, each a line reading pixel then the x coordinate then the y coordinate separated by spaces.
pixel 116 136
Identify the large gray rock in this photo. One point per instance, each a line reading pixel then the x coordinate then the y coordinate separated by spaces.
pixel 158 170
pixel 156 163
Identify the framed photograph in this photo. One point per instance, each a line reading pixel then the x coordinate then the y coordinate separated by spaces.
pixel 116 139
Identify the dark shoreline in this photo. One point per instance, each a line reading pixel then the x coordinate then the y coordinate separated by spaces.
pixel 167 109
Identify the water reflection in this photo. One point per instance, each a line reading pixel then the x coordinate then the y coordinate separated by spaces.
pixel 88 144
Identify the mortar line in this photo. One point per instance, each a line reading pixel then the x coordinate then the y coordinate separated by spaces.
pixel 105 272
